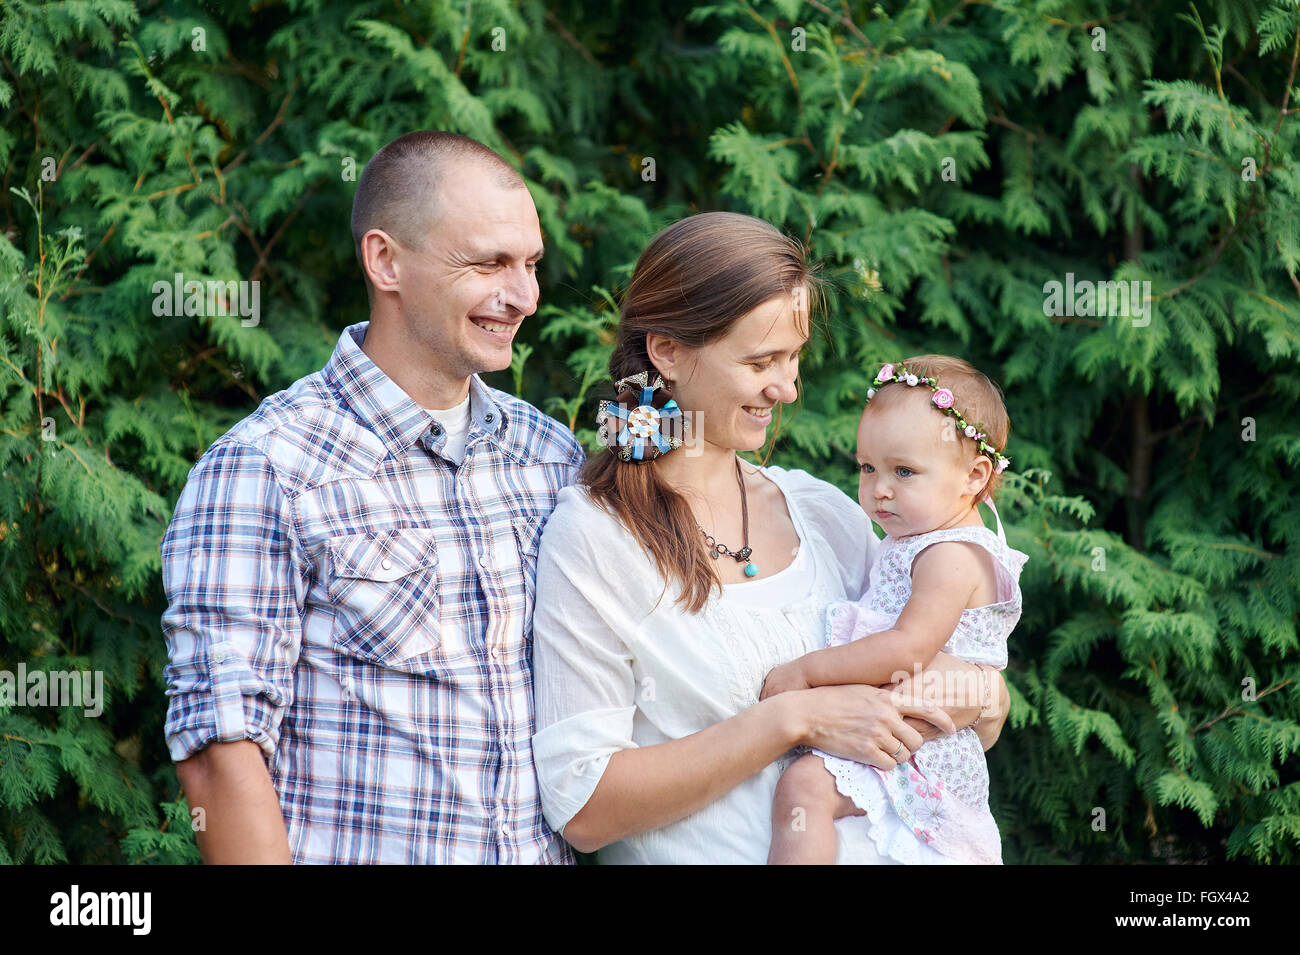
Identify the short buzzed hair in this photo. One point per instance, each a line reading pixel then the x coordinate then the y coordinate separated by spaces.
pixel 399 184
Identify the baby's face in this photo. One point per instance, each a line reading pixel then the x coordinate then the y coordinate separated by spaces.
pixel 916 472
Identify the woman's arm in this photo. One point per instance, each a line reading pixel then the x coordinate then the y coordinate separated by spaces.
pixel 647 787
pixel 949 671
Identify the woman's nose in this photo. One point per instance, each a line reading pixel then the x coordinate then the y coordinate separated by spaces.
pixel 784 391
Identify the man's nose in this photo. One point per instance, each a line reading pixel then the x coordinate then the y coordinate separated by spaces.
pixel 519 291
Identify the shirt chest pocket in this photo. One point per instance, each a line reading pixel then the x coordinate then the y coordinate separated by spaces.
pixel 384 588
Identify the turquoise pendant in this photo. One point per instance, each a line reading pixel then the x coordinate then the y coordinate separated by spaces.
pixel 751 570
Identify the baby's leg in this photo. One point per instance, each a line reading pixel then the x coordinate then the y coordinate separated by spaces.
pixel 804 811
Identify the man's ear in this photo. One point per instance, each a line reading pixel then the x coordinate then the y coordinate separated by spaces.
pixel 666 355
pixel 379 252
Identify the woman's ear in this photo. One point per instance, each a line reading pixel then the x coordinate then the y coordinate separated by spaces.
pixel 665 354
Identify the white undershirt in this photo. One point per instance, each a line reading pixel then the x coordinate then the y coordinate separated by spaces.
pixel 455 422
pixel 776 590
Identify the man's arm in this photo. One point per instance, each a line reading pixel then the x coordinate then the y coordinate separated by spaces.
pixel 242 821
pixel 233 626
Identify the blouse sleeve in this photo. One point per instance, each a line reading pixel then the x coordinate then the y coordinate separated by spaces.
pixel 583 682
pixel 841 523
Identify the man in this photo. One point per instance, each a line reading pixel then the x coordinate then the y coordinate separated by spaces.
pixel 350 569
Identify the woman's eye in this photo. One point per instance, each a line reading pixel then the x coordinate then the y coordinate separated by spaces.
pixel 762 367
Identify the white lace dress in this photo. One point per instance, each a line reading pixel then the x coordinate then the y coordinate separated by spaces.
pixel 933 809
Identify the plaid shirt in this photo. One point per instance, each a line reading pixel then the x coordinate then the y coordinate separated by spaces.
pixel 362 609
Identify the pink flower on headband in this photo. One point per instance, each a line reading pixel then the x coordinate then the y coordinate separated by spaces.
pixel 942 398
pixel 1002 465
pixel 886 373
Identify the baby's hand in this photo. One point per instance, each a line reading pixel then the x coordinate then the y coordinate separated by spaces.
pixel 783 679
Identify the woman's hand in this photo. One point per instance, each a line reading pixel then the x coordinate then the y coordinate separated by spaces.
pixel 865 723
pixel 783 679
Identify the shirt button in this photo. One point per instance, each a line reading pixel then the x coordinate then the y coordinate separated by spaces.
pixel 482 561
pixel 489 417
pixel 387 564
pixel 436 431
pixel 220 654
pixel 496 653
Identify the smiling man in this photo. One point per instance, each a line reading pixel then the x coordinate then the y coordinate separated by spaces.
pixel 350 570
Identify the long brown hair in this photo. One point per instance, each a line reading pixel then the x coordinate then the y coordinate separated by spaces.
pixel 692 283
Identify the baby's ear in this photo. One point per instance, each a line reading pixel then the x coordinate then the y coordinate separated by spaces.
pixel 977 477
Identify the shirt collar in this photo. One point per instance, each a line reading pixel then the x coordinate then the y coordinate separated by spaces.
pixel 388 410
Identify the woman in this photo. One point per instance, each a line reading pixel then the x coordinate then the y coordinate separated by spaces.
pixel 671 582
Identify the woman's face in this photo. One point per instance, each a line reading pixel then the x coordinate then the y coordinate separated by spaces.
pixel 730 387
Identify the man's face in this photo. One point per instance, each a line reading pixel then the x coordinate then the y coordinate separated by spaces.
pixel 466 292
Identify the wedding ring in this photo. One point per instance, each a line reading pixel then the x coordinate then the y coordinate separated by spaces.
pixel 897 751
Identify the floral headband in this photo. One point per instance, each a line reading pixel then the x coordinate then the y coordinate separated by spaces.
pixel 943 400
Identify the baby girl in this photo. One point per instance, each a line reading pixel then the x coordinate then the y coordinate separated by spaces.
pixel 929 450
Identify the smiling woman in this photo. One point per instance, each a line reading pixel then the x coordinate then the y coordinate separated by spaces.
pixel 720 305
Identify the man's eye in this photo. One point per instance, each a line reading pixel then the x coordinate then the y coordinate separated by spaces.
pixel 762 367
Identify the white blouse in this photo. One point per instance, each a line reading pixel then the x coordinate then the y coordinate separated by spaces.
pixel 618 665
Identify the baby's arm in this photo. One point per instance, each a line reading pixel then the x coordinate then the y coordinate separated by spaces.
pixel 944 580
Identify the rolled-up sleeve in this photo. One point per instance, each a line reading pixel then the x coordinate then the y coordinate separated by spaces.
pixel 584 685
pixel 232 572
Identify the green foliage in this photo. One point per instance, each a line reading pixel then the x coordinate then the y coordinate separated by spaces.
pixel 943 160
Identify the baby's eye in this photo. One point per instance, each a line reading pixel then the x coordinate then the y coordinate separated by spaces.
pixel 866 469
pixel 903 472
